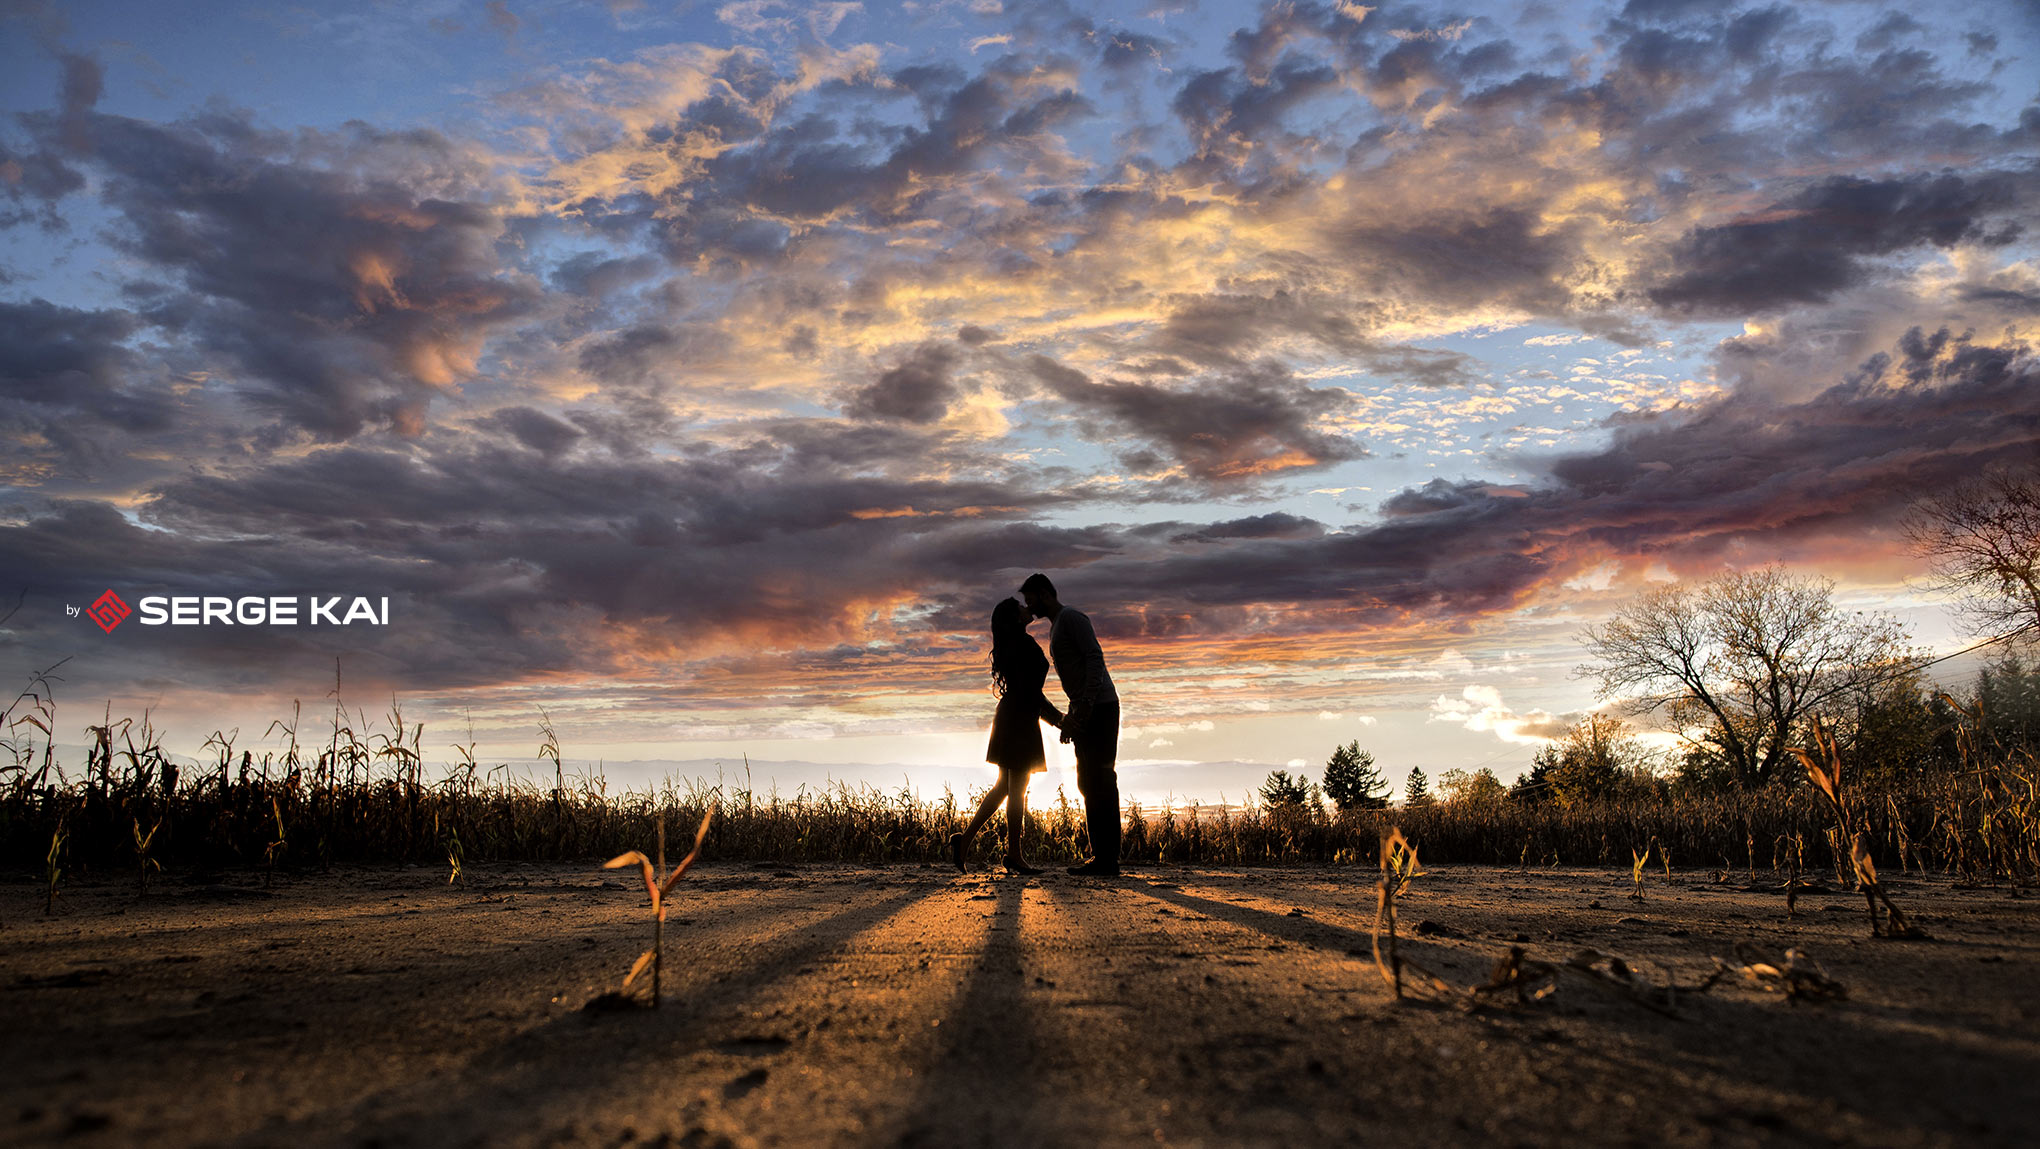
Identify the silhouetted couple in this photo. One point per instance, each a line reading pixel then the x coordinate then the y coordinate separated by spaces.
pixel 1091 726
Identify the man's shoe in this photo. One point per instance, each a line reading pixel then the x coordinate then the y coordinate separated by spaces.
pixel 1095 869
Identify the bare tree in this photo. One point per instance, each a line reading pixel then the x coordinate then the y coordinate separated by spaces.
pixel 1745 658
pixel 1983 538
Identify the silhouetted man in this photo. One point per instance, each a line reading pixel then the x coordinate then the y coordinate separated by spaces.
pixel 1091 726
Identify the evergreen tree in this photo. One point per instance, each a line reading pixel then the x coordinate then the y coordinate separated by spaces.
pixel 1534 788
pixel 1352 780
pixel 1417 791
pixel 2009 694
pixel 1281 789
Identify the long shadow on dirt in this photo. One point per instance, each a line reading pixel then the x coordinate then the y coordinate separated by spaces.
pixel 568 1064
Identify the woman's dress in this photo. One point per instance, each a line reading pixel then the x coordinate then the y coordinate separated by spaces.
pixel 1016 725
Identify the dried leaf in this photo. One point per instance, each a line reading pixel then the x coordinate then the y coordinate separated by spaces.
pixel 1798 977
pixel 700 836
pixel 644 867
pixel 1859 853
pixel 638 967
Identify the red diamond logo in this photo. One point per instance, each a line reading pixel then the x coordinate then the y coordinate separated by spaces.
pixel 108 611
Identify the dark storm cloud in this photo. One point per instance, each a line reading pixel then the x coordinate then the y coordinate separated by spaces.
pixel 1901 99
pixel 815 164
pixel 35 180
pixel 1713 96
pixel 1438 495
pixel 593 274
pixel 506 560
pixel 645 356
pixel 1253 421
pixel 1810 246
pixel 454 623
pixel 72 394
pixel 1504 255
pixel 1218 328
pixel 1749 33
pixel 2014 300
pixel 535 429
pixel 1273 525
pixel 1230 329
pixel 1686 486
pixel 1894 29
pixel 1225 111
pixel 1912 420
pixel 917 391
pixel 64 358
pixel 336 294
pixel 544 562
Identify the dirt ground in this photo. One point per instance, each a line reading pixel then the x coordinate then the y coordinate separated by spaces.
pixel 912 1006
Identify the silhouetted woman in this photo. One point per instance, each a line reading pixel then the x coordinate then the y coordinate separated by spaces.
pixel 1018 670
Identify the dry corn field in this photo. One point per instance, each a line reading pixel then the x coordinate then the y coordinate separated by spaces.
pixel 903 1004
pixel 322 946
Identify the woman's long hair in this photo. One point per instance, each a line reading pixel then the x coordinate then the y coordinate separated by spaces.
pixel 1009 643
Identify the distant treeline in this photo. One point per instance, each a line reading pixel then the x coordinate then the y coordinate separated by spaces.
pixel 1933 783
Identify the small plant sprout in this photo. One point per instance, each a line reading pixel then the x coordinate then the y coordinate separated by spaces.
pixel 658 889
pixel 1398 867
pixel 1642 859
pixel 1895 925
pixel 273 850
pixel 1398 862
pixel 54 871
pixel 454 854
pixel 143 862
pixel 1512 975
pixel 1826 772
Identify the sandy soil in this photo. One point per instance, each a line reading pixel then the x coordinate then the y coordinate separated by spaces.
pixel 913 1006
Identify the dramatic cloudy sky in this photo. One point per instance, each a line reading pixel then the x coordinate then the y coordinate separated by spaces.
pixel 705 372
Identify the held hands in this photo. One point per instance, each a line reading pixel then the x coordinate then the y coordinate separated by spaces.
pixel 1071 724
